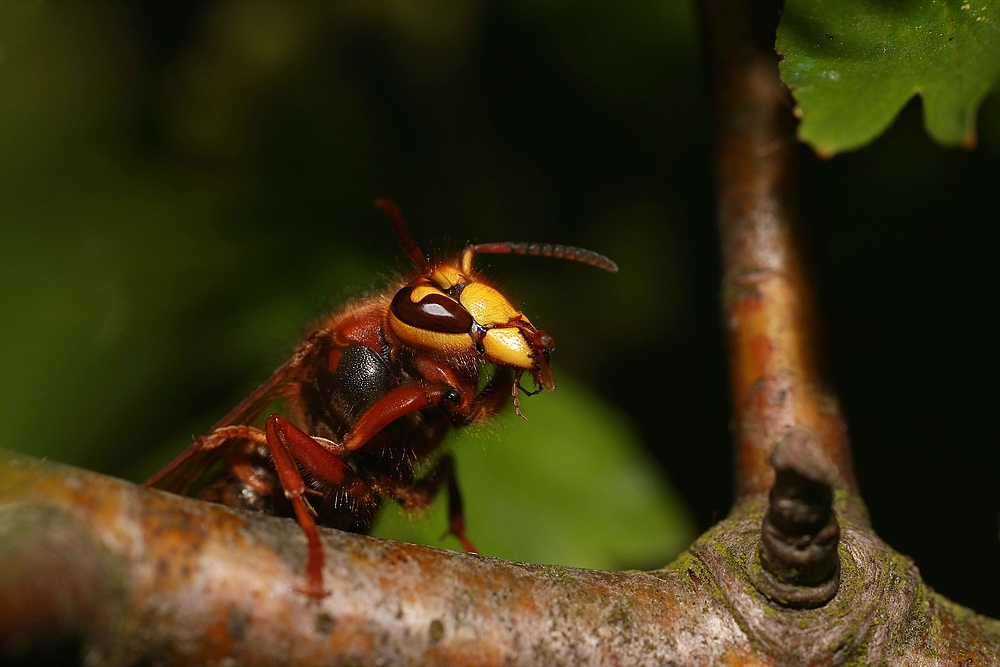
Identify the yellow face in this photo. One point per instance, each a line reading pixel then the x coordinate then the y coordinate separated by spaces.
pixel 452 312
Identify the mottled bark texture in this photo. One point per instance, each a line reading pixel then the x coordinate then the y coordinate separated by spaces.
pixel 125 575
pixel 145 577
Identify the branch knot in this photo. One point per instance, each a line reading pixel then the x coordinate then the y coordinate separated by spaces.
pixel 796 563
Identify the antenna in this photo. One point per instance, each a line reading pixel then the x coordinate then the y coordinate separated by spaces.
pixel 410 247
pixel 588 257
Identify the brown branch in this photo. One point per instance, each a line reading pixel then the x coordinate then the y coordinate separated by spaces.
pixel 767 302
pixel 145 576
pixel 794 576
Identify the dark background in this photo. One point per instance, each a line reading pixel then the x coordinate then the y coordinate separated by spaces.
pixel 250 138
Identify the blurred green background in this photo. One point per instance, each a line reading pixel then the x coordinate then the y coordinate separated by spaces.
pixel 186 186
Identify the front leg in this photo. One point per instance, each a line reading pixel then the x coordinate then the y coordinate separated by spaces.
pixel 398 403
pixel 494 396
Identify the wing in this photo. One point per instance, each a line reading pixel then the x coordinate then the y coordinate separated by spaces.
pixel 178 475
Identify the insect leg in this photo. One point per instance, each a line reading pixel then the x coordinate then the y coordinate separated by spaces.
pixel 397 403
pixel 493 398
pixel 456 515
pixel 177 477
pixel 287 444
pixel 421 493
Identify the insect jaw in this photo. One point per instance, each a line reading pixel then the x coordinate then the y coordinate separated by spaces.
pixel 543 376
pixel 541 345
pixel 517 344
pixel 544 344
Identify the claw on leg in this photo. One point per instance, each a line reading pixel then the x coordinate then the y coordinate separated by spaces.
pixel 456 514
pixel 314 558
pixel 457 528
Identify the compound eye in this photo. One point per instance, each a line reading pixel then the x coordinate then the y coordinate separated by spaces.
pixel 433 312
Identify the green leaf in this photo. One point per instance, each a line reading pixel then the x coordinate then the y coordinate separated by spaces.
pixel 853 64
pixel 571 487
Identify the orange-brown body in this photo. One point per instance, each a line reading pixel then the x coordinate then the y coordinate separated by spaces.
pixel 348 363
pixel 369 394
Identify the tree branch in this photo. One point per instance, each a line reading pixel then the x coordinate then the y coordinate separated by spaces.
pixel 143 576
pixel 794 576
pixel 767 301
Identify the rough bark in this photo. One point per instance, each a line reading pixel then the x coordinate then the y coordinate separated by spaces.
pixel 793 576
pixel 146 577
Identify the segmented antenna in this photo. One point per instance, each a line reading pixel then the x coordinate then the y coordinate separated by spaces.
pixel 410 246
pixel 547 250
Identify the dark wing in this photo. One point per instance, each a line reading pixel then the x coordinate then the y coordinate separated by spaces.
pixel 178 475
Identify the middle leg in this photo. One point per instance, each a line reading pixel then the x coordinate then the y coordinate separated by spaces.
pixel 421 493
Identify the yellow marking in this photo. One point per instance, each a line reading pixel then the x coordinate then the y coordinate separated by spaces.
pixel 432 340
pixel 508 346
pixel 447 276
pixel 487 305
pixel 466 261
pixel 420 291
